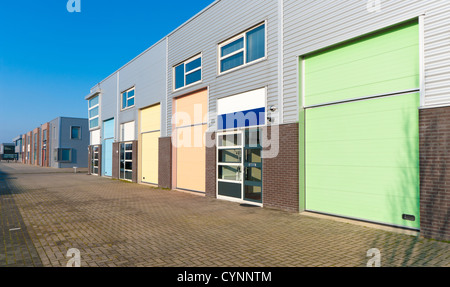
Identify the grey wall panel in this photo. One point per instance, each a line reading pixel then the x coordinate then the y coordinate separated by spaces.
pixel 79 146
pixel 310 25
pixel 147 74
pixel 108 100
pixel 214 25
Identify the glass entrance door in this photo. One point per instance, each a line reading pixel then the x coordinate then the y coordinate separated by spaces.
pixel 229 165
pixel 94 160
pixel 239 166
pixel 126 161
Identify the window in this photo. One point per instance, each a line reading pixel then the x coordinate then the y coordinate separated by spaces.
pixel 188 72
pixel 75 133
pixel 128 99
pixel 243 49
pixel 95 160
pixel 63 154
pixel 94 112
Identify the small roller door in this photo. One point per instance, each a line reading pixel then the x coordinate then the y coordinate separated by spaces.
pixel 150 119
pixel 108 139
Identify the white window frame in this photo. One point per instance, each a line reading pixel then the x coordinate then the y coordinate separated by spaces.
pixel 128 98
pixel 243 49
pixel 188 73
pixel 97 116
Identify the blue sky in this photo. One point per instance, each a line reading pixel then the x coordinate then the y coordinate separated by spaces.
pixel 50 58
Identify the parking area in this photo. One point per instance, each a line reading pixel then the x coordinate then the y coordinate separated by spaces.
pixel 45 212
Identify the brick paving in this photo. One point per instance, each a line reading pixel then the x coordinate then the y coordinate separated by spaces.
pixel 115 223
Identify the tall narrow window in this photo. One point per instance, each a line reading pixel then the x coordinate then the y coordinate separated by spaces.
pixel 75 132
pixel 188 73
pixel 242 49
pixel 94 112
pixel 128 99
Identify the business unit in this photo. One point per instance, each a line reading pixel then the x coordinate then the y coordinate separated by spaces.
pixel 8 151
pixel 65 143
pixel 127 113
pixel 372 101
pixel 223 88
pixel 60 143
pixel 317 106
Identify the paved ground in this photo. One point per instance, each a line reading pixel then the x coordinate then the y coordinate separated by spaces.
pixel 116 223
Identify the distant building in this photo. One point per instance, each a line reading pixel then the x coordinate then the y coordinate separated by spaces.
pixel 18 146
pixel 60 143
pixel 7 151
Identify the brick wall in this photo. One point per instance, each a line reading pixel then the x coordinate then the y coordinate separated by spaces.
pixel 134 164
pixel 281 171
pixel 210 184
pixel 115 160
pixel 435 173
pixel 90 148
pixel 165 162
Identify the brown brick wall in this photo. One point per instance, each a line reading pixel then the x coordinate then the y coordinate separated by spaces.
pixel 210 181
pixel 435 173
pixel 280 173
pixel 36 131
pixel 134 165
pixel 165 162
pixel 115 160
pixel 89 159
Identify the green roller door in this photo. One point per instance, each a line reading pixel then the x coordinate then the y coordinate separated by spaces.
pixel 362 156
pixel 383 63
pixel 362 159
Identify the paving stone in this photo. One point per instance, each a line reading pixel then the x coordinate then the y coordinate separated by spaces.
pixel 114 223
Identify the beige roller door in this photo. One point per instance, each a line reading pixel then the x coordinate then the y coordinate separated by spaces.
pixel 190 131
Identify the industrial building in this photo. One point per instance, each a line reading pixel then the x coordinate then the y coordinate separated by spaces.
pixel 60 143
pixel 331 107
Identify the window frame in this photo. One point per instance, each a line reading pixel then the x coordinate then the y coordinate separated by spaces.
pixel 242 35
pixel 190 60
pixel 128 98
pixel 59 155
pixel 95 117
pixel 79 133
